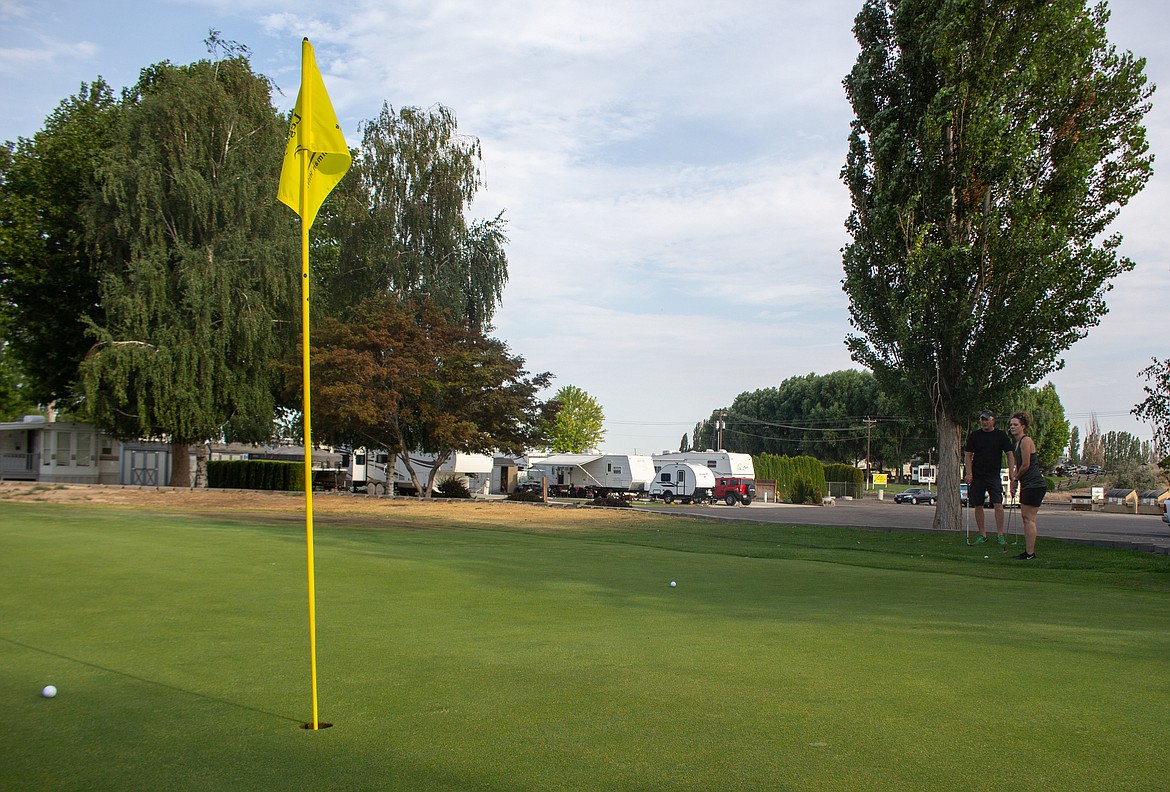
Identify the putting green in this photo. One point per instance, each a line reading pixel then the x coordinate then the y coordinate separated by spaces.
pixel 480 657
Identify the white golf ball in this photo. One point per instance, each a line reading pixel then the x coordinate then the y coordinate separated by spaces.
pixel 49 691
pixel 987 556
pixel 673 584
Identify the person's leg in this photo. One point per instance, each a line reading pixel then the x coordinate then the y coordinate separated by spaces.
pixel 1028 516
pixel 976 495
pixel 999 518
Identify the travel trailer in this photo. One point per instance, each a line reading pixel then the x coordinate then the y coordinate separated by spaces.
pixel 373 472
pixel 683 481
pixel 721 463
pixel 593 475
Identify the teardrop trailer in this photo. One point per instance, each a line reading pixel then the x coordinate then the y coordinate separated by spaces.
pixel 685 482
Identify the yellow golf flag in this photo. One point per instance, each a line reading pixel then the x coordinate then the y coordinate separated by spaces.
pixel 315 143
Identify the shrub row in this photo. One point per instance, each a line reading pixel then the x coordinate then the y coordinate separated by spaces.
pixel 853 478
pixel 255 474
pixel 786 471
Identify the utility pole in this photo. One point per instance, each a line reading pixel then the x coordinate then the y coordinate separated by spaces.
pixel 869 422
pixel 719 447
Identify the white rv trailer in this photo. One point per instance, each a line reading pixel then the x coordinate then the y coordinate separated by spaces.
pixel 684 481
pixel 593 475
pixel 721 463
pixel 372 471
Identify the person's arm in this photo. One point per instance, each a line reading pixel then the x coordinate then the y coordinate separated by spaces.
pixel 1011 458
pixel 970 459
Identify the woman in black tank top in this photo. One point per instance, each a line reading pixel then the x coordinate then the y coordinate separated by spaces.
pixel 1028 479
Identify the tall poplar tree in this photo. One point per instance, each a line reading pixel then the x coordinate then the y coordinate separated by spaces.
pixel 993 145
pixel 199 261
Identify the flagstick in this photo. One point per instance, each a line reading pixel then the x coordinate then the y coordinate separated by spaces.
pixel 308 466
pixel 304 157
pixel 315 141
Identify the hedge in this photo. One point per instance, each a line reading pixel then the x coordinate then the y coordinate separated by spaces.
pixel 853 477
pixel 256 474
pixel 785 471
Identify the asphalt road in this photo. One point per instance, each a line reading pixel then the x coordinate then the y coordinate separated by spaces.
pixel 1144 532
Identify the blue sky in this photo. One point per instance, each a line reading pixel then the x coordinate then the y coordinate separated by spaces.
pixel 669 171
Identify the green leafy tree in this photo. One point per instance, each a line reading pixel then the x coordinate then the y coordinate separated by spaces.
pixel 1074 446
pixel 836 417
pixel 703 435
pixel 48 274
pixel 398 222
pixel 840 417
pixel 1155 408
pixel 684 445
pixel 1093 451
pixel 576 426
pixel 198 261
pixel 1123 447
pixel 405 378
pixel 993 145
pixel 1049 428
pixel 14 400
pixel 1131 474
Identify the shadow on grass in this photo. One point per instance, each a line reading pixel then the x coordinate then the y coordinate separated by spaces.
pixel 154 682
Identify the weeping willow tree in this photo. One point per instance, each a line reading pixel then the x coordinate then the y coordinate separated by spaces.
pixel 398 223
pixel 198 261
pixel 993 146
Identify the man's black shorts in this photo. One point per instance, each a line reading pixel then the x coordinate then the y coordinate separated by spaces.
pixel 985 491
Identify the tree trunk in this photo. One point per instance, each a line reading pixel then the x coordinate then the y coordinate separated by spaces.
pixel 439 460
pixel 418 487
pixel 180 465
pixel 948 512
pixel 201 454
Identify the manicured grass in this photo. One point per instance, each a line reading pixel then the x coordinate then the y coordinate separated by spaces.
pixel 477 656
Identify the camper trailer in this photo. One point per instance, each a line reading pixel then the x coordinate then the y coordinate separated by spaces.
pixel 367 470
pixel 373 471
pixel 474 470
pixel 721 463
pixel 593 475
pixel 683 481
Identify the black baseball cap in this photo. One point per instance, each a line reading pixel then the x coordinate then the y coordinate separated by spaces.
pixel 987 414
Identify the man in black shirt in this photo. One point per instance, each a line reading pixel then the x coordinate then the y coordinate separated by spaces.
pixel 984 456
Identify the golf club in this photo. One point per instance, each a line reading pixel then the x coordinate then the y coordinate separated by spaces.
pixel 967 519
pixel 1015 537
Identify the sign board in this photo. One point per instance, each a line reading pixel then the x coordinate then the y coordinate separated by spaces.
pixel 1098 494
pixel 879 478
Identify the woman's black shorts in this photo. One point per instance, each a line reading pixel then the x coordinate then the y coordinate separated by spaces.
pixel 1032 496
